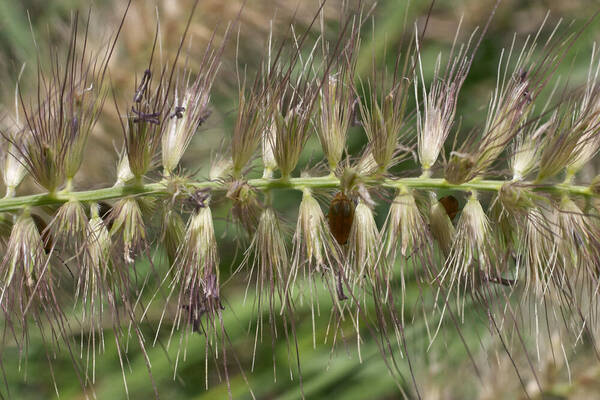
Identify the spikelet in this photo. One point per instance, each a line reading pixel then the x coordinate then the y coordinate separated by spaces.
pixel 128 223
pixel 364 244
pixel 268 157
pixel 254 114
pixel 441 226
pixel 25 257
pixel 293 125
pixel 196 274
pixel 173 233
pixel 190 111
pixel 95 286
pixel 404 225
pixel 69 226
pixel 13 167
pixel 315 252
pixel 268 269
pixel 246 207
pixel 472 258
pixel 13 170
pixel 384 122
pixel 509 106
pixel 439 103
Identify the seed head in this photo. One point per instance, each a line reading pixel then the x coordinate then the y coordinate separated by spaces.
pixel 364 242
pixel 254 114
pixel 268 142
pixel 383 123
pixel 439 104
pixel 508 107
pixel 441 226
pixel 404 225
pixel 246 208
pixel 293 125
pixel 25 257
pixel 189 112
pixel 220 167
pixel 471 256
pixel 128 222
pixel 197 268
pixel 69 226
pixel 13 169
pixel 98 242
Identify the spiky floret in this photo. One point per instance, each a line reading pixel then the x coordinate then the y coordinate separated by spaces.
pixel 517 87
pixel 588 115
pixel 404 225
pixel 196 274
pixel 190 111
pixel 25 257
pixel 293 123
pixel 95 288
pixel 173 233
pixel 440 225
pixel 269 267
pixel 472 258
pixel 383 119
pixel 253 117
pixel 246 206
pixel 13 170
pixel 435 120
pixel 69 102
pixel 572 139
pixel 315 251
pixel 69 226
pixel 578 244
pixel 363 245
pixel 128 223
pixel 508 107
pixel 337 104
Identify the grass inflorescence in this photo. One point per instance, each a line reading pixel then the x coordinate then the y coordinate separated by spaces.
pixel 524 227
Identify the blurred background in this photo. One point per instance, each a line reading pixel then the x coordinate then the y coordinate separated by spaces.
pixel 443 371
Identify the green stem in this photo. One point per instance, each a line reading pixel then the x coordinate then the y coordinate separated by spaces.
pixel 325 182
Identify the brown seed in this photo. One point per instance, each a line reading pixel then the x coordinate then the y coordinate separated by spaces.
pixel 450 205
pixel 340 217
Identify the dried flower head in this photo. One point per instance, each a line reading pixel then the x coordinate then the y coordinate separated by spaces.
pixel 128 222
pixel 246 207
pixel 383 121
pixel 315 249
pixel 441 226
pixel 66 109
pixel 404 226
pixel 439 103
pixel 197 268
pixel 293 125
pixel 69 226
pixel 191 110
pixel 471 259
pixel 25 257
pixel 364 243
pixel 253 117
pixel 13 170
